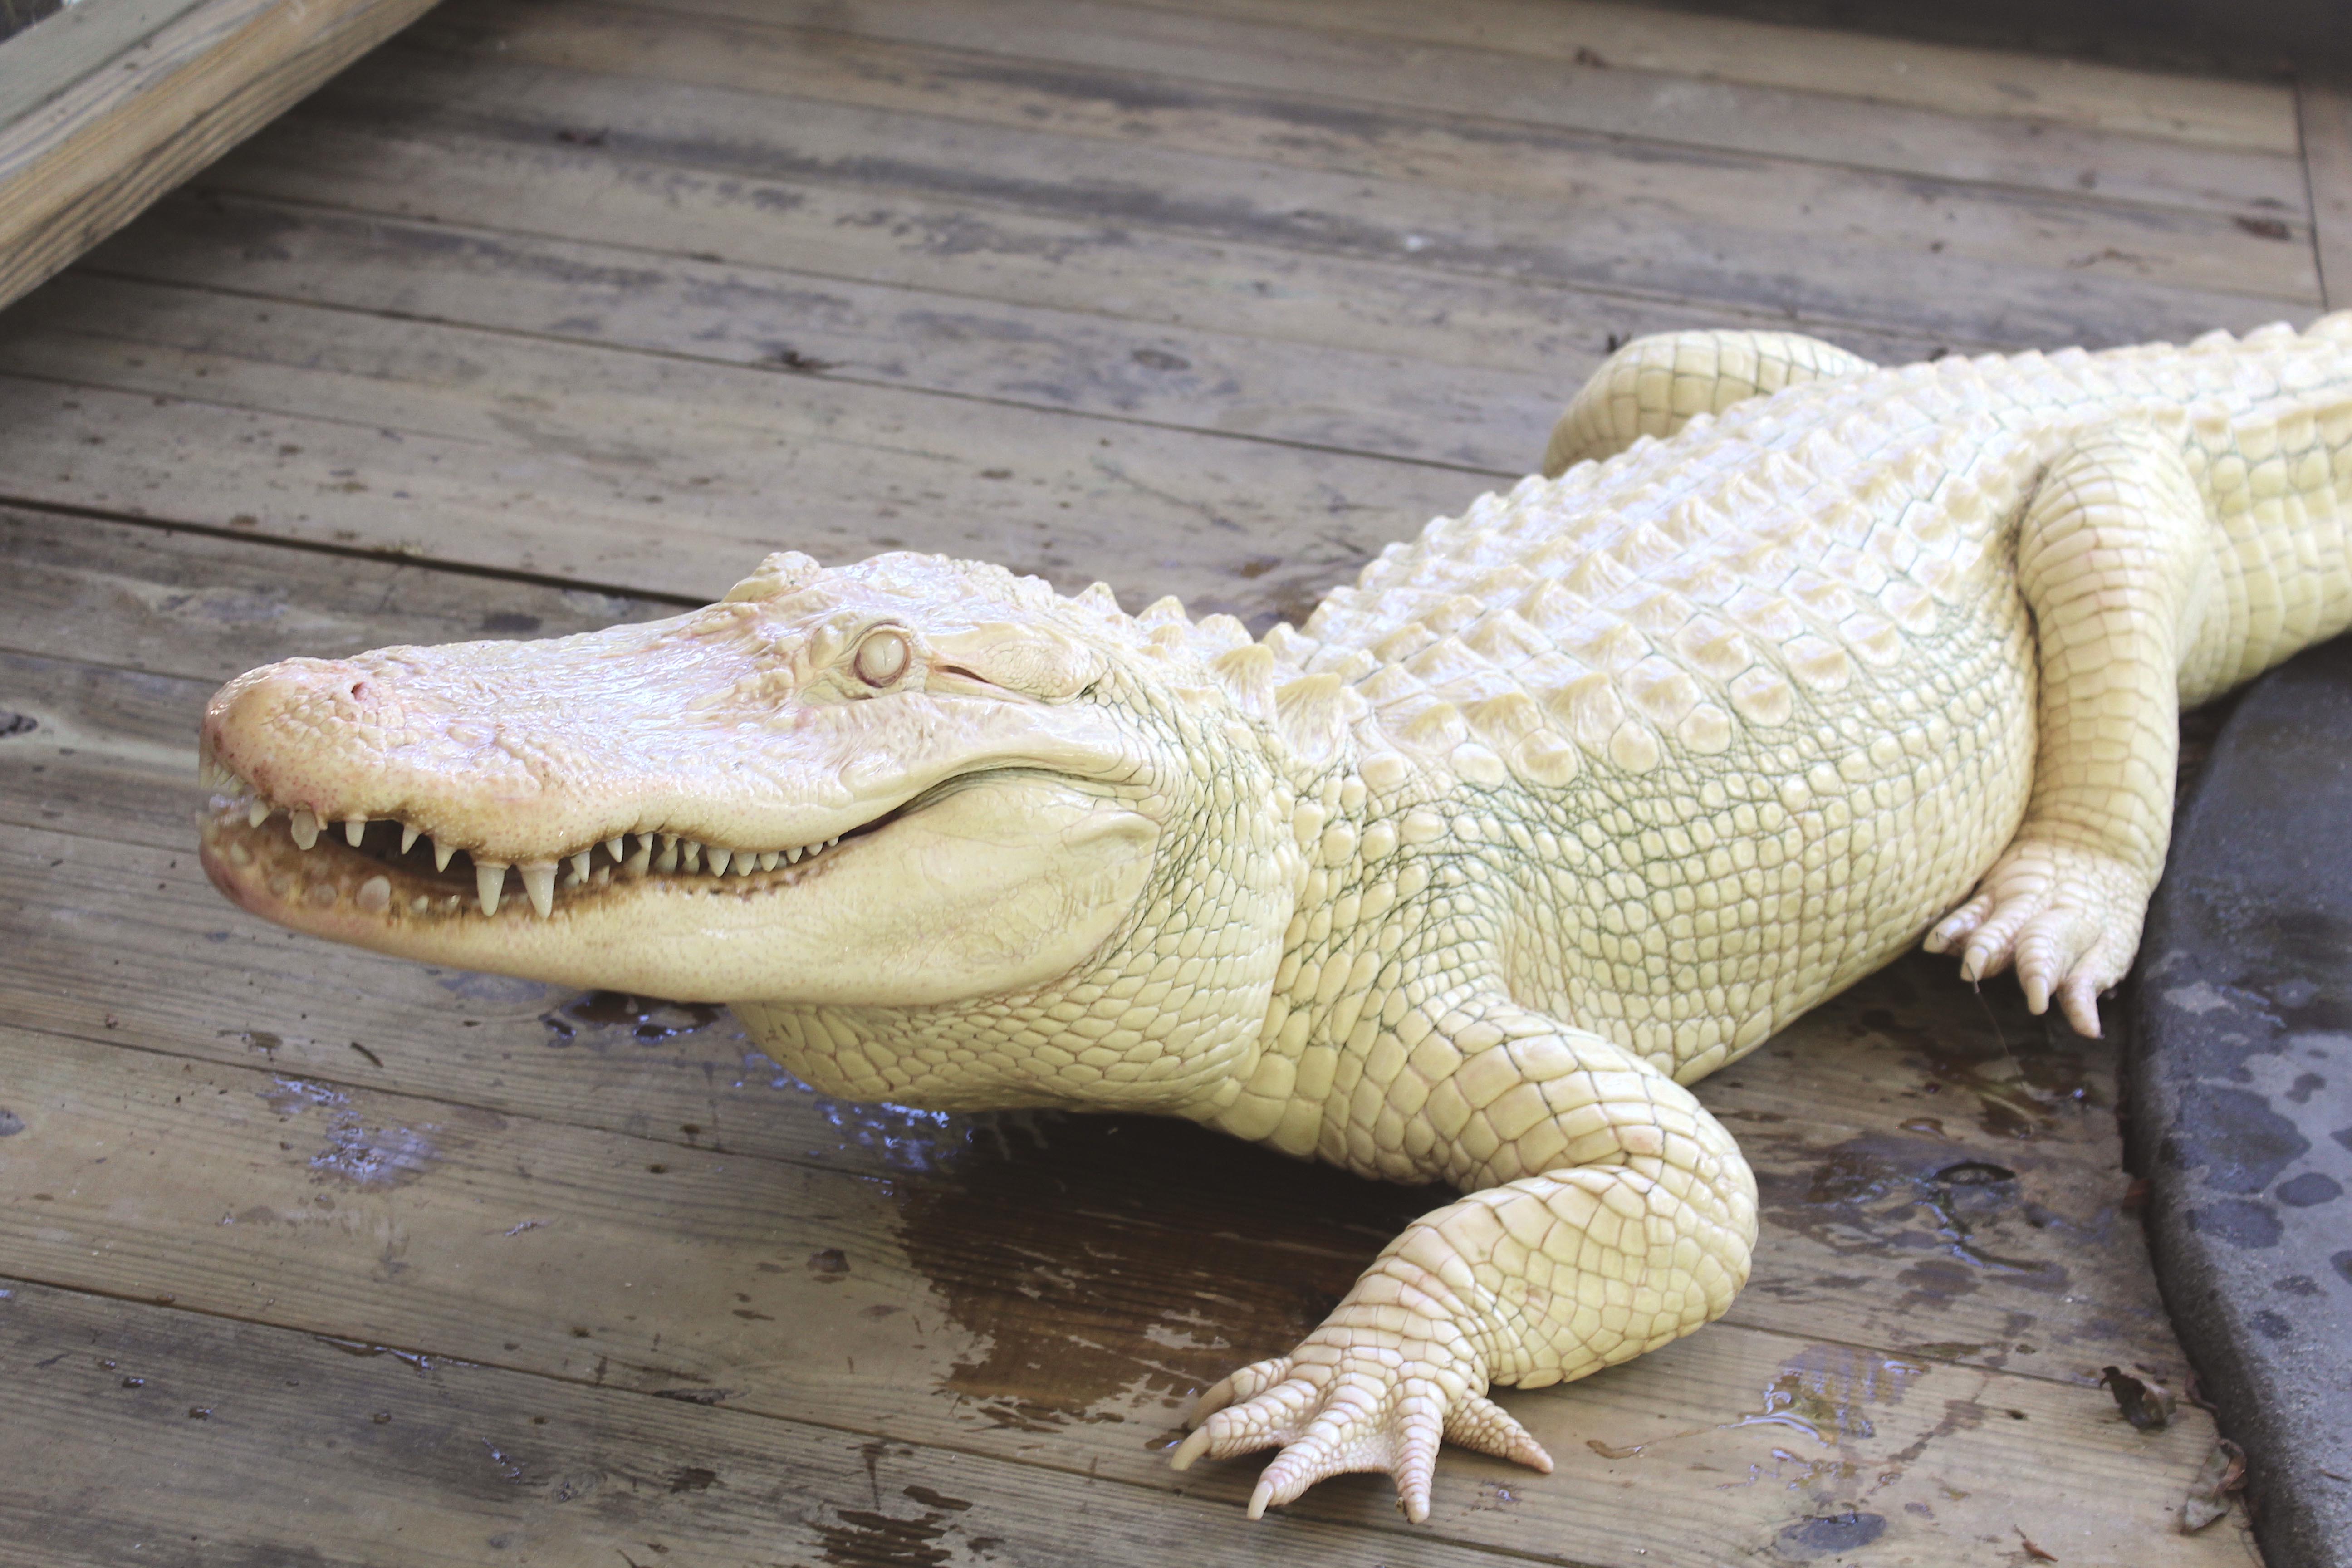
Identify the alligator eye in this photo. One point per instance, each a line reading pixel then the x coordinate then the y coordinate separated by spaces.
pixel 882 657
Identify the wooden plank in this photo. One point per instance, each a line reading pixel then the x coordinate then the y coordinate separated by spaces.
pixel 86 39
pixel 976 250
pixel 1173 49
pixel 423 1461
pixel 1340 125
pixel 1991 83
pixel 2326 121
pixel 1348 399
pixel 2108 278
pixel 116 110
pixel 204 1183
pixel 363 431
pixel 177 603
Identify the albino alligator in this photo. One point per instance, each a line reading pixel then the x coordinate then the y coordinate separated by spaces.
pixel 1563 806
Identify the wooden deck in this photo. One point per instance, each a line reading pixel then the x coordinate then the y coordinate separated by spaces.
pixel 547 315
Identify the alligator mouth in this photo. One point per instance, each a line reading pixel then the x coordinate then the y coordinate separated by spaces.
pixel 392 869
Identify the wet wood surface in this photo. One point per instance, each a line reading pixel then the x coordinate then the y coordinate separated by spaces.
pixel 548 315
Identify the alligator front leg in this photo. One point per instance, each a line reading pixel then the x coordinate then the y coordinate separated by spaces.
pixel 2117 559
pixel 1611 1215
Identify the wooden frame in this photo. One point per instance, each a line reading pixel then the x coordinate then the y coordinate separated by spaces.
pixel 105 106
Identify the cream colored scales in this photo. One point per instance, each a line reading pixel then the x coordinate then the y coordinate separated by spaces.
pixel 1564 804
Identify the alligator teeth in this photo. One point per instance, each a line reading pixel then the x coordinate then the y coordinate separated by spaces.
pixel 630 855
pixel 489 884
pixel 538 881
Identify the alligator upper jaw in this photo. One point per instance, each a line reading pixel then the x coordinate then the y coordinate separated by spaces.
pixel 392 865
pixel 991 881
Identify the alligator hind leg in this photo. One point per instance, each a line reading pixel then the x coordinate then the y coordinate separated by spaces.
pixel 1607 1213
pixel 1654 385
pixel 2118 560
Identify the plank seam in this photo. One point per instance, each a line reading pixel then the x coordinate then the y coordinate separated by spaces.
pixel 1288 239
pixel 680 356
pixel 1442 117
pixel 346 551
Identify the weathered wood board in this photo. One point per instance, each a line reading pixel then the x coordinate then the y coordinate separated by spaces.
pixel 547 316
pixel 115 103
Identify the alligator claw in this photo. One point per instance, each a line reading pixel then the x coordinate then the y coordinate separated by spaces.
pixel 1375 1403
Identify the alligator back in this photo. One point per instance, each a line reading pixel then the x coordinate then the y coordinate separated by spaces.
pixel 1765 689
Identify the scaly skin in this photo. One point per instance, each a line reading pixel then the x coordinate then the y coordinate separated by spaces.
pixel 1563 806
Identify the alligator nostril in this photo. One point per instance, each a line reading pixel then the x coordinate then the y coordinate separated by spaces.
pixel 358 688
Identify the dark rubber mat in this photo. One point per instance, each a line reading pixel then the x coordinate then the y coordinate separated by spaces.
pixel 2240 1096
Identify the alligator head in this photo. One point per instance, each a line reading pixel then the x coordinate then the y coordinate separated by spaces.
pixel 939 834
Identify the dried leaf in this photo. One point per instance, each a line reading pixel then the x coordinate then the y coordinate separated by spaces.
pixel 2145 1403
pixel 2223 1472
pixel 2033 1552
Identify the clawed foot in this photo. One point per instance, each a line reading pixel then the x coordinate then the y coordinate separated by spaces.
pixel 1348 1402
pixel 2067 918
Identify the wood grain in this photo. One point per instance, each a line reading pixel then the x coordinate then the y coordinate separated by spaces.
pixel 608 468
pixel 1986 83
pixel 1352 127
pixel 1377 398
pixel 2327 122
pixel 1492 75
pixel 425 1460
pixel 150 108
pixel 1655 247
pixel 940 239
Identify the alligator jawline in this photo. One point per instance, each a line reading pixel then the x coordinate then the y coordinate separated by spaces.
pixel 392 867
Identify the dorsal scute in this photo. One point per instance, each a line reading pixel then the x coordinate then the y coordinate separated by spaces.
pixel 1315 713
pixel 1551 604
pixel 1214 635
pixel 1247 673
